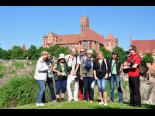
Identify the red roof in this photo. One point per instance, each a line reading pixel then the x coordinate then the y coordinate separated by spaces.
pixel 144 45
pixel 95 36
pixel 68 39
pixel 89 34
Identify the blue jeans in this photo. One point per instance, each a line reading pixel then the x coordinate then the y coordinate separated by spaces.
pixel 61 85
pixel 41 91
pixel 116 78
pixel 102 84
pixel 88 91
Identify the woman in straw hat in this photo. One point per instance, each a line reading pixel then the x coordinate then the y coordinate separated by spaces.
pixel 61 69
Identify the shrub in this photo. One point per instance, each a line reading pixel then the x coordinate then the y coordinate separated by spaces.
pixel 2 70
pixel 18 65
pixel 19 91
pixel 148 58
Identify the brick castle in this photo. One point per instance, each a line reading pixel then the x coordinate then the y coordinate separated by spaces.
pixel 88 38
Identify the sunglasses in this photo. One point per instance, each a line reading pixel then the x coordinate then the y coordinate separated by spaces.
pixel 89 53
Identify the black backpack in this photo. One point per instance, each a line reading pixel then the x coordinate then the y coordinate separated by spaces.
pixel 143 68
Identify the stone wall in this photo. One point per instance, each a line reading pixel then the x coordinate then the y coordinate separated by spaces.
pixel 147 90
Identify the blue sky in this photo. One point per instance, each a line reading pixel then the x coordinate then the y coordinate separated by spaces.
pixel 27 24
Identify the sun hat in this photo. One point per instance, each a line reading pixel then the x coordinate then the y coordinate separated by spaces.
pixel 61 56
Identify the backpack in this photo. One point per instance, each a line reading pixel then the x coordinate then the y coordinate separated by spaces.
pixel 88 65
pixel 143 67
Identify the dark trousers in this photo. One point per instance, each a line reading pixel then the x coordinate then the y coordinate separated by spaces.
pixel 80 89
pixel 134 87
pixel 87 81
pixel 61 86
pixel 51 88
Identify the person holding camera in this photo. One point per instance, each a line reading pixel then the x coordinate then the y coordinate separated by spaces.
pixel 134 76
pixel 41 76
pixel 50 79
pixel 86 74
pixel 73 62
pixel 100 68
pixel 61 69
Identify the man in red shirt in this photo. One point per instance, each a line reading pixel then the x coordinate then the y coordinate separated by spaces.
pixel 134 77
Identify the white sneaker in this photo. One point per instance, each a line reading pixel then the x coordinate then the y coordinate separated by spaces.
pixel 76 100
pixel 100 103
pixel 54 101
pixel 37 104
pixel 105 104
pixel 69 100
pixel 41 104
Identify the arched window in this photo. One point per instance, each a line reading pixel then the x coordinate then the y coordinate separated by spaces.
pixel 107 44
pixel 85 44
pixel 90 45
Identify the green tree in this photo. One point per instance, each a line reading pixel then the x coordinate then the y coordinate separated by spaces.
pixel 107 53
pixel 32 52
pixel 94 53
pixel 4 54
pixel 56 50
pixel 16 52
pixel 121 53
pixel 148 58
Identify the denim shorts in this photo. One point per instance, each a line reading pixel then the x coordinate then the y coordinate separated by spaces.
pixel 102 84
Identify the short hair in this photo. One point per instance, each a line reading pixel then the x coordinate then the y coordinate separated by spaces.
pixel 133 47
pixel 89 51
pixel 44 52
pixel 71 49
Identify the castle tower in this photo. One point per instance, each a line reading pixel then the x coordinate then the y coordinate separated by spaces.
pixel 110 42
pixel 23 47
pixel 49 40
pixel 84 23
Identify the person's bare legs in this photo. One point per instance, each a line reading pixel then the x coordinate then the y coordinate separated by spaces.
pixel 105 98
pixel 101 98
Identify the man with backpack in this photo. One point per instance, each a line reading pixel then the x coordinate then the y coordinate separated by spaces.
pixel 134 77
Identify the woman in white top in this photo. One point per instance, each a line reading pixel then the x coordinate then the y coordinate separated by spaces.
pixel 41 76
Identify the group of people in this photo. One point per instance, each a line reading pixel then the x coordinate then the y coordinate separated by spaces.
pixel 76 76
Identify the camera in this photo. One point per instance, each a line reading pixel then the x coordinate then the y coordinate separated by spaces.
pixel 69 68
pixel 99 71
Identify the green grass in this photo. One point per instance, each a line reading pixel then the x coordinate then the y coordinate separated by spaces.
pixel 2 70
pixel 83 105
pixel 18 65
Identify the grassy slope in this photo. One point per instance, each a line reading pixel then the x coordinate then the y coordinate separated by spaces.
pixel 83 105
